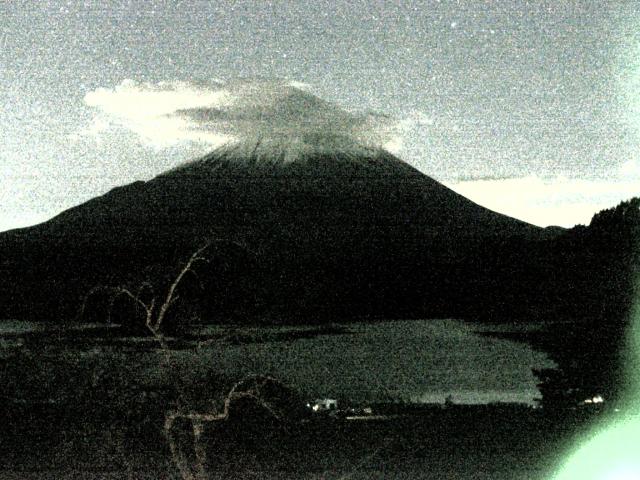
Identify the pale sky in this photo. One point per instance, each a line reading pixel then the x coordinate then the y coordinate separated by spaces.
pixel 529 108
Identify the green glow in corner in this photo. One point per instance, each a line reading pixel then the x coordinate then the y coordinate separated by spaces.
pixel 613 453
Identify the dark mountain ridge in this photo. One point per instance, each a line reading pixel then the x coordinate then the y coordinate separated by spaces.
pixel 347 231
pixel 319 185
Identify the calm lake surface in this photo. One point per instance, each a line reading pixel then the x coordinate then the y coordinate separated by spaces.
pixel 416 360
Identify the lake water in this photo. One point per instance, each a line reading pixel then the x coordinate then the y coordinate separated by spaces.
pixel 416 360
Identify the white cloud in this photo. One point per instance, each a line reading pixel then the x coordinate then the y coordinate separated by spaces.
pixel 548 201
pixel 630 169
pixel 405 128
pixel 94 130
pixel 149 110
pixel 299 85
pixel 218 112
pixel 26 218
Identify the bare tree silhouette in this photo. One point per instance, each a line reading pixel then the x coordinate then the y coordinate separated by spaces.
pixel 263 396
pixel 153 304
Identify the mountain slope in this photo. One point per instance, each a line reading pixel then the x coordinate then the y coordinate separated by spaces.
pixel 331 226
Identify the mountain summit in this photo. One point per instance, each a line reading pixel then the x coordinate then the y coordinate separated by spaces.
pixel 296 147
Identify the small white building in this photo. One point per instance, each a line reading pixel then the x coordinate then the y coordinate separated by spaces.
pixel 594 400
pixel 324 405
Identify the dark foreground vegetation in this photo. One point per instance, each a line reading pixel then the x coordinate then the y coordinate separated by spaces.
pixel 92 403
pixel 594 290
pixel 121 440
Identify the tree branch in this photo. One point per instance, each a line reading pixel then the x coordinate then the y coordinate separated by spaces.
pixel 170 294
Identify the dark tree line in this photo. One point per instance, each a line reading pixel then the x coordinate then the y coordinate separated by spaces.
pixel 598 269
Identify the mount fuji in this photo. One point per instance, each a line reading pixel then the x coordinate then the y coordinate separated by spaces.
pixel 328 227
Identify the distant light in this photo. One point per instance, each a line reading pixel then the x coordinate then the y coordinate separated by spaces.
pixel 596 399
